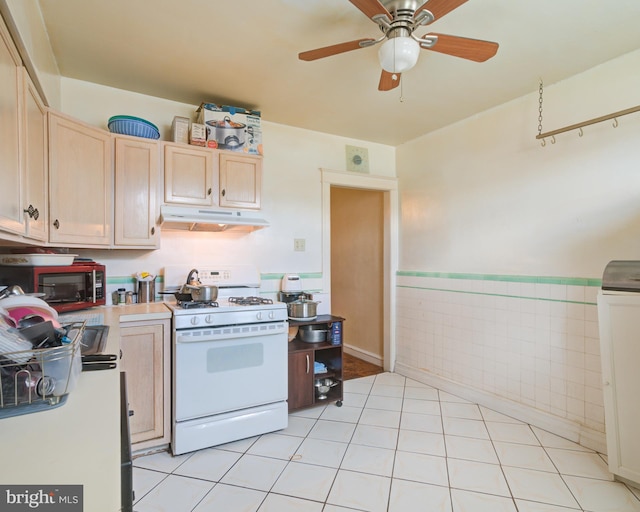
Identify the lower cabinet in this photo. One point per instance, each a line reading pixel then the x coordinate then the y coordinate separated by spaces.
pixel 146 353
pixel 303 356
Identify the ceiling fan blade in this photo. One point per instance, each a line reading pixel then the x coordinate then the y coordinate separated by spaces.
pixel 440 7
pixel 388 81
pixel 476 50
pixel 371 8
pixel 335 49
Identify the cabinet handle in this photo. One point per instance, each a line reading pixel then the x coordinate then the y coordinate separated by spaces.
pixel 31 211
pixel 36 214
pixel 223 192
pixel 56 224
pixel 153 230
pixel 131 412
pixel 209 192
pixel 307 363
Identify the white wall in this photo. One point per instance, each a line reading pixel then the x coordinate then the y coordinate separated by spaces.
pixel 503 244
pixel 291 195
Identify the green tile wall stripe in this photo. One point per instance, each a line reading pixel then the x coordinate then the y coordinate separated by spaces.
pixel 573 281
pixel 277 277
pixel 128 280
pixel 505 295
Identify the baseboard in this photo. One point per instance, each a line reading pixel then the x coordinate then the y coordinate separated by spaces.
pixel 365 355
pixel 562 427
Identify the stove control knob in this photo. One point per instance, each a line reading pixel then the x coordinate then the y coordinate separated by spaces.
pixel 271 315
pixel 208 319
pixel 259 315
pixel 195 320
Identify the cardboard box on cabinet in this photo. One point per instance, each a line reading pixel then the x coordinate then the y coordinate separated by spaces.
pixel 231 128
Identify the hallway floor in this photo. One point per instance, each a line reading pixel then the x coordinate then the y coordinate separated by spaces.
pixel 395 445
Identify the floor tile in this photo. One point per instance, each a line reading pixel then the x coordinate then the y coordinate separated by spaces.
pixel 298 426
pixel 333 431
pixel 477 476
pixel 524 456
pixel 305 481
pixel 231 498
pixel 465 428
pixel 423 393
pixel 321 452
pixel 240 446
pixel 468 448
pixel 390 379
pixel 511 433
pixel 570 462
pixel 532 506
pixel 380 418
pixel 360 491
pixel 144 480
pixel 359 386
pixel 448 397
pixel 386 403
pixel 421 422
pixel 279 503
pixel 602 496
pixel 491 415
pixel 277 446
pixel 354 399
pixel 539 486
pixel 367 459
pixel 467 501
pixel 409 496
pixel 550 440
pixel 421 406
pixel 380 437
pixel 174 494
pixel 162 461
pixel 386 390
pixel 421 442
pixel 254 472
pixel 208 464
pixel 458 410
pixel 311 412
pixel 345 413
pixel 418 467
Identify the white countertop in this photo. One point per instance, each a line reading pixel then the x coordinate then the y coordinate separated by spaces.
pixel 78 442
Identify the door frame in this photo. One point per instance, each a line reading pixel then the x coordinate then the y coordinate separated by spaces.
pixel 389 186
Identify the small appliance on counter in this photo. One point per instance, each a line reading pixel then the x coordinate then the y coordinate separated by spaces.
pixel 291 289
pixel 67 287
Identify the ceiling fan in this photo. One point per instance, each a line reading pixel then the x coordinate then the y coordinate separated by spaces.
pixel 398 19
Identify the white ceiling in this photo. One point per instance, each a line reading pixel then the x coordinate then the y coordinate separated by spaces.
pixel 244 53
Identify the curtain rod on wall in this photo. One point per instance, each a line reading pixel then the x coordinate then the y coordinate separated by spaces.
pixel 579 126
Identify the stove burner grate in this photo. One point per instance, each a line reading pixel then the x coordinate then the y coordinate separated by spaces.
pixel 191 304
pixel 249 301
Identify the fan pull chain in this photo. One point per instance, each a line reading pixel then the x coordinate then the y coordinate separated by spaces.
pixel 540 108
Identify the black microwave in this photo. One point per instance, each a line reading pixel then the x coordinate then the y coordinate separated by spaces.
pixel 65 288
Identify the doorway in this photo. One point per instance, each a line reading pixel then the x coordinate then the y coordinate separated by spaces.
pixel 339 191
pixel 357 259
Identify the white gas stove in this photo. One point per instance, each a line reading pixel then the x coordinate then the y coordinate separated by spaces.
pixel 230 359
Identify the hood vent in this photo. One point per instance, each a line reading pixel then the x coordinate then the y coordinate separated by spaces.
pixel 199 219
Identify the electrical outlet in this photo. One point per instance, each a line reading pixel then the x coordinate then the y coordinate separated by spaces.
pixel 298 244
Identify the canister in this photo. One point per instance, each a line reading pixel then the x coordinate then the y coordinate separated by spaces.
pixel 336 333
pixel 146 291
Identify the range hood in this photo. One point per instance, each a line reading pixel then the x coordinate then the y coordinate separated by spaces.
pixel 202 219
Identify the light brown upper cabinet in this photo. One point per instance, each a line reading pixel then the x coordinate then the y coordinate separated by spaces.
pixel 188 175
pixel 240 180
pixel 80 183
pixel 136 186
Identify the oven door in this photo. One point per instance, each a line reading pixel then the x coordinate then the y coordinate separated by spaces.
pixel 221 369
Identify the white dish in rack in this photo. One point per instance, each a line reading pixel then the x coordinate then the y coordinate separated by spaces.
pixel 32 260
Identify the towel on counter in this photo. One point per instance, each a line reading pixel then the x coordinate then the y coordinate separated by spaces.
pixel 319 367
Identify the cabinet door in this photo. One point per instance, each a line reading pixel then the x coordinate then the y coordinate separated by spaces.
pixel 11 215
pixel 145 359
pixel 188 175
pixel 136 185
pixel 81 183
pixel 240 180
pixel 301 390
pixel 36 168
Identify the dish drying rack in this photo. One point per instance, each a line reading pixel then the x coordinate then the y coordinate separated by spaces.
pixel 40 379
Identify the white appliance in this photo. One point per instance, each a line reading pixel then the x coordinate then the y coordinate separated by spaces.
pixel 229 359
pixel 619 323
pixel 291 283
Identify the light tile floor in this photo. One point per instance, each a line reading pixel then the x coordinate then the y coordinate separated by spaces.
pixel 395 445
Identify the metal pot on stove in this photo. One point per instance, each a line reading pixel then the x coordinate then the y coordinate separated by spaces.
pixel 197 291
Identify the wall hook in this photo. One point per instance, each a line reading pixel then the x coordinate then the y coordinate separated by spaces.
pixel 553 139
pixel 580 133
pixel 615 122
pixel 544 142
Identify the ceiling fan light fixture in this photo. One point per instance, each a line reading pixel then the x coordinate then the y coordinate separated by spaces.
pixel 399 54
